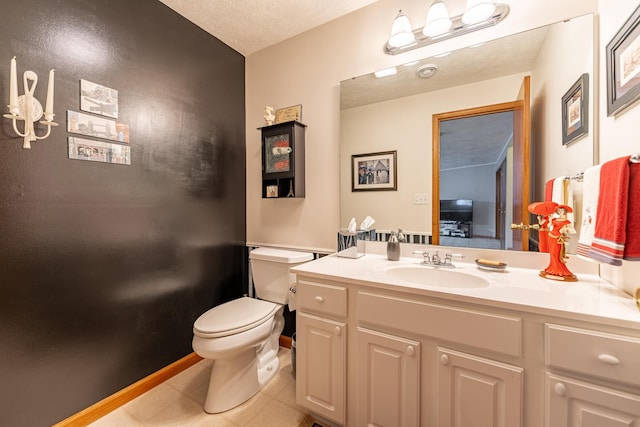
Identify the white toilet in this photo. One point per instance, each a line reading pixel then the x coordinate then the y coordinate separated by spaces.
pixel 242 336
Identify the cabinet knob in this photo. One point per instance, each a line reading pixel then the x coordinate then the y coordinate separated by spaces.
pixel 444 359
pixel 411 351
pixel 560 389
pixel 338 330
pixel 319 299
pixel 609 359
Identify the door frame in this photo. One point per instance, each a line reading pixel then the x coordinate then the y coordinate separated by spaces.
pixel 501 202
pixel 435 156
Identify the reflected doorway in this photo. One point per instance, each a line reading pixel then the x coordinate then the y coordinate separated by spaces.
pixel 475 154
pixel 519 195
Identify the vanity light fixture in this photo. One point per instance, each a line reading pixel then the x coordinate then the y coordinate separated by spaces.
pixel 401 34
pixel 26 107
pixel 479 14
pixel 438 21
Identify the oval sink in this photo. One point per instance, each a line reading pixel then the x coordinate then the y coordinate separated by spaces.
pixel 439 278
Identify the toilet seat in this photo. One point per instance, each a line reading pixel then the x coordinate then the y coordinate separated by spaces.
pixel 234 317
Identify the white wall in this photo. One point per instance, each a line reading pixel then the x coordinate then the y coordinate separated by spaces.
pixel 619 134
pixel 307 70
pixel 558 69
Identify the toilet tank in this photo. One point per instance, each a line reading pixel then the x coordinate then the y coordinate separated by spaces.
pixel 270 272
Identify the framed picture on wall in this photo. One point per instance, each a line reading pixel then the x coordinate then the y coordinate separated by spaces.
pixel 623 66
pixel 575 110
pixel 98 99
pixel 374 171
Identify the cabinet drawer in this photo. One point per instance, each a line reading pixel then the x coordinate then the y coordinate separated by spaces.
pixel 488 331
pixel 322 299
pixel 610 356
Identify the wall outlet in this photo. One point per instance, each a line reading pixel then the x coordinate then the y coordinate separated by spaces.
pixel 421 199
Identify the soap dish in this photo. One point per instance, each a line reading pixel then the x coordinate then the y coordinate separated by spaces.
pixel 489 265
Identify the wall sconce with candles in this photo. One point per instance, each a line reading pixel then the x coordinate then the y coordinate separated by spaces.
pixel 26 107
pixel 479 14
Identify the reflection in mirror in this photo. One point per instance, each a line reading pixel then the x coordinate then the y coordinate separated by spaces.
pixel 395 113
pixel 478 151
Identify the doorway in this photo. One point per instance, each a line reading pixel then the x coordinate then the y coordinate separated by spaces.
pixel 472 151
pixel 520 192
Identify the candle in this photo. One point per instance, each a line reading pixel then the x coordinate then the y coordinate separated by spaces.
pixel 49 106
pixel 13 88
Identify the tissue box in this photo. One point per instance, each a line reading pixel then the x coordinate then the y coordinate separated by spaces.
pixel 351 245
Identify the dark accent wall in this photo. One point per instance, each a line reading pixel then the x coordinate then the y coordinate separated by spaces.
pixel 104 268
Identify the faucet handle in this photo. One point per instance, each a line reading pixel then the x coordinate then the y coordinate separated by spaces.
pixel 425 256
pixel 448 257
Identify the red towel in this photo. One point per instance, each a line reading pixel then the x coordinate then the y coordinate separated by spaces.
pixel 610 234
pixel 548 190
pixel 632 245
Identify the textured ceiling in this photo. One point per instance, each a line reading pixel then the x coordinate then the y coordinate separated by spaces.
pixel 252 25
pixel 475 141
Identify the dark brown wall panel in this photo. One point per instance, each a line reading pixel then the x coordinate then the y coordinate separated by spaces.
pixel 104 268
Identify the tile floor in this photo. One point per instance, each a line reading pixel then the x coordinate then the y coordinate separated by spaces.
pixel 179 402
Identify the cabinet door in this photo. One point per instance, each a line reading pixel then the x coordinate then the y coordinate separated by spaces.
pixel 388 380
pixel 321 363
pixel 579 404
pixel 474 391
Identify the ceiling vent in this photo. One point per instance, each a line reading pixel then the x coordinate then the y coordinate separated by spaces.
pixel 427 70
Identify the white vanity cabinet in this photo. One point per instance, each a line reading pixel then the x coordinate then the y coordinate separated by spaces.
pixel 594 357
pixel 468 387
pixel 375 353
pixel 321 359
pixel 388 380
pixel 475 391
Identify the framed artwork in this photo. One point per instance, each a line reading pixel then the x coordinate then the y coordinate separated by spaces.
pixel 374 171
pixel 623 66
pixel 277 154
pixel 98 99
pixel 575 110
pixel 98 151
pixel 98 127
pixel 289 114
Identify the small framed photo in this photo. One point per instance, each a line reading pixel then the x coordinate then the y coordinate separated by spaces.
pixel 575 110
pixel 98 99
pixel 623 66
pixel 98 127
pixel 374 171
pixel 293 113
pixel 272 191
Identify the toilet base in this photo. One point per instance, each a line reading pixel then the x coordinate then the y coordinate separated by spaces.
pixel 234 380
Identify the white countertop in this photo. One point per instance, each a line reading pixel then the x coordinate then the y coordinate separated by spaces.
pixel 589 299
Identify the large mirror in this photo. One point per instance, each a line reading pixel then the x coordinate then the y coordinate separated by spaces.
pixel 395 114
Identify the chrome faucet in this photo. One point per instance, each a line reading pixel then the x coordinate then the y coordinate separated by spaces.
pixel 436 261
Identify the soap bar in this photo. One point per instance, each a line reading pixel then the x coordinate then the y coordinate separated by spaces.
pixel 489 262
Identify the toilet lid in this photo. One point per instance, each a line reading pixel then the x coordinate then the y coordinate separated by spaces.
pixel 234 316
